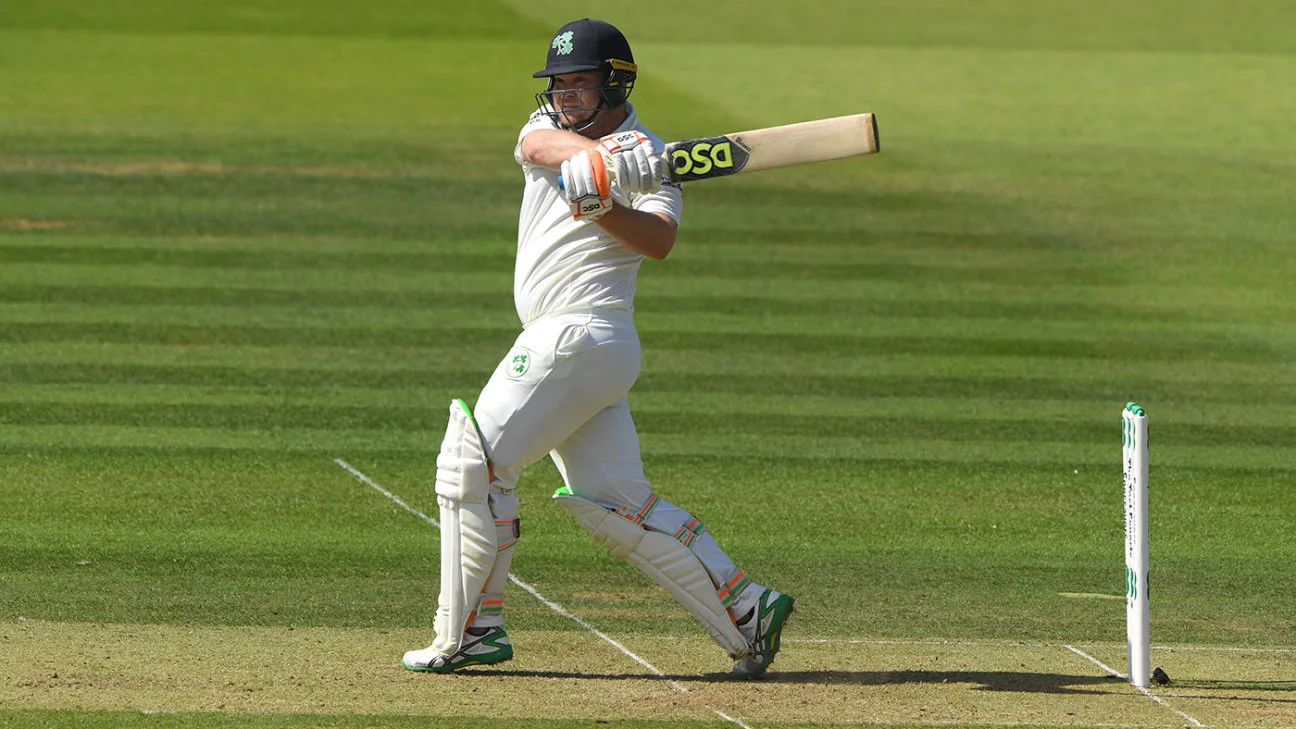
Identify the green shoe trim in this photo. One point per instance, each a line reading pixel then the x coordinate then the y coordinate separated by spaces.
pixel 502 652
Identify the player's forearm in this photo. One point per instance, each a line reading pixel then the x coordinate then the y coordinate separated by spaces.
pixel 647 233
pixel 549 148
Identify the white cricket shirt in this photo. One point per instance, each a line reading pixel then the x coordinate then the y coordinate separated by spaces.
pixel 569 264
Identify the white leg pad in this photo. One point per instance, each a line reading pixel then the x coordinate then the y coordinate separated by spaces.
pixel 469 543
pixel 666 561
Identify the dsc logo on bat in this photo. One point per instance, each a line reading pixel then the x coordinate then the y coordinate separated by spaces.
pixel 710 157
pixel 702 158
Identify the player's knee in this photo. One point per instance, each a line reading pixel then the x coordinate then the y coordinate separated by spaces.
pixel 649 511
pixel 620 494
pixel 504 507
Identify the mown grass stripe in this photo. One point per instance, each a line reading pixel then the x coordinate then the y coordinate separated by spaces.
pixel 1061 454
pixel 793 384
pixel 467 313
pixel 770 304
pixel 250 377
pixel 482 357
pixel 1124 374
pixel 915 466
pixel 304 258
pixel 722 246
pixel 251 297
pixel 67 449
pixel 1222 303
pixel 70 238
pixel 266 336
pixel 808 447
pixel 1008 389
pixel 73 274
pixel 755 269
pixel 1022 429
pixel 1109 347
pixel 459 333
pixel 270 204
pixel 653 324
pixel 721 405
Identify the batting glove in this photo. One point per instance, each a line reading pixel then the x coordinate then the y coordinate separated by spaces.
pixel 636 166
pixel 585 181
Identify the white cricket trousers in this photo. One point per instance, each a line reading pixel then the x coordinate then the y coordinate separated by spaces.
pixel 562 390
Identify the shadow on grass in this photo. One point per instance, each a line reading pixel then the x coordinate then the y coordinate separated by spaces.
pixel 1034 683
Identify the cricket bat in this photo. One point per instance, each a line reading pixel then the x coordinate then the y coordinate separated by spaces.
pixel 764 149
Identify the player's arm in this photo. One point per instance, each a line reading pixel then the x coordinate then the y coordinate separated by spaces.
pixel 627 157
pixel 549 148
pixel 652 234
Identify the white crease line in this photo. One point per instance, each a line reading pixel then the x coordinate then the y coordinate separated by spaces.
pixel 867 641
pixel 1221 648
pixel 547 602
pixel 1206 648
pixel 1110 671
pixel 1142 690
pixel 1018 644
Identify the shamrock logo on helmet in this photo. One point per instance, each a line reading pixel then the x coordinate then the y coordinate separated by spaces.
pixel 563 42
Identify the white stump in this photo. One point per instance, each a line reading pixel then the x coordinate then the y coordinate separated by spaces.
pixel 1137 617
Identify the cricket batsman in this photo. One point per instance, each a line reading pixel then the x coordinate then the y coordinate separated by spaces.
pixel 595 204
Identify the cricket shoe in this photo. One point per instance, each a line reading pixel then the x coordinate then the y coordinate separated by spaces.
pixel 763 629
pixel 481 647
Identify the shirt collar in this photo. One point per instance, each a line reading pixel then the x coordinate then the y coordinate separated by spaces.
pixel 631 120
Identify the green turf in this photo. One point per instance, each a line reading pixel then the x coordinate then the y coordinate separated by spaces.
pixel 241 240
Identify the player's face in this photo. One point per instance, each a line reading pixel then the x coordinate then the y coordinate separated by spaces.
pixel 576 95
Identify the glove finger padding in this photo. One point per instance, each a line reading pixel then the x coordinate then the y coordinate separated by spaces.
pixel 649 169
pixel 623 141
pixel 585 180
pixel 637 166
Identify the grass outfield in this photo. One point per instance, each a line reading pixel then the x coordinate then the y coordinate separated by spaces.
pixel 249 251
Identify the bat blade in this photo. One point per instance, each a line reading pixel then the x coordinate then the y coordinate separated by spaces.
pixel 763 149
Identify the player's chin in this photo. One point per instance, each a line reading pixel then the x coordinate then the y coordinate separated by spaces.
pixel 572 120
